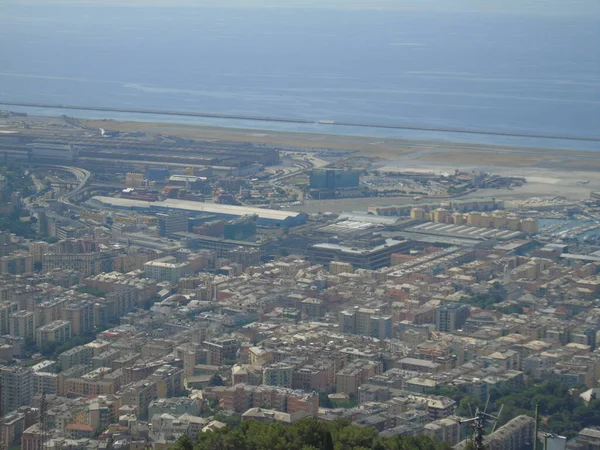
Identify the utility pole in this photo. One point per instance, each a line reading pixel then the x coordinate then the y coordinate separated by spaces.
pixel 2 446
pixel 43 420
pixel 537 424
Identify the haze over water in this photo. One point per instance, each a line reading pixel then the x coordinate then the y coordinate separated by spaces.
pixel 527 66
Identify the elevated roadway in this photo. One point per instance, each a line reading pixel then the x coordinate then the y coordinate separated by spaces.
pixel 81 175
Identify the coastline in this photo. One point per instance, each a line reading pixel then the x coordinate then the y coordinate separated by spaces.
pixel 380 148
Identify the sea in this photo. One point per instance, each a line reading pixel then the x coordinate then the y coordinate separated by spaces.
pixel 527 66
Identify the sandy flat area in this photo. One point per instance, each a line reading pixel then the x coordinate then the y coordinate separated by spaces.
pixel 549 173
pixel 450 153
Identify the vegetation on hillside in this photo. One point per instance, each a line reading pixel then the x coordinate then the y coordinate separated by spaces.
pixel 307 434
pixel 561 411
pixel 16 182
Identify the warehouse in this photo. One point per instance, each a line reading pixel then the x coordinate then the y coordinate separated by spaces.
pixel 265 217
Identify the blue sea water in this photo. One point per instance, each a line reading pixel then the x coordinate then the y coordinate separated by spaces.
pixel 469 69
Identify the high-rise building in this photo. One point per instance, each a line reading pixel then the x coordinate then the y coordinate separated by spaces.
pixel 334 178
pixel 451 317
pixel 22 324
pixel 172 222
pixel 81 317
pixel 17 387
pixel 6 309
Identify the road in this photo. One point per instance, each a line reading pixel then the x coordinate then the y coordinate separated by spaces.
pixel 82 176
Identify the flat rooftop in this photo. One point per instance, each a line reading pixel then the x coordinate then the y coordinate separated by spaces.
pixel 464 231
pixel 186 205
pixel 357 251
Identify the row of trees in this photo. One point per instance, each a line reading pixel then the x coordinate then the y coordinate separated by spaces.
pixel 307 434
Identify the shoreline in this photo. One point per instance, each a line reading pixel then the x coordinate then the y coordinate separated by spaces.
pixel 333 123
pixel 369 147
pixel 321 127
pixel 390 151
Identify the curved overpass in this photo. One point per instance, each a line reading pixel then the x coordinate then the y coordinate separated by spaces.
pixel 82 176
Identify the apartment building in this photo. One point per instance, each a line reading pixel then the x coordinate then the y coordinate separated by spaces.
pixel 81 316
pixel 349 379
pixel 365 321
pixel 220 350
pixel 81 354
pixel 16 264
pixel 242 397
pixel 450 317
pixel 278 374
pixel 169 381
pixel 17 387
pixel 139 395
pixel 55 332
pixel 22 324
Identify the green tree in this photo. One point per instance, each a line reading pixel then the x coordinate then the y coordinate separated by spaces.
pixel 184 443
pixel 307 434
pixel 215 380
pixel 327 440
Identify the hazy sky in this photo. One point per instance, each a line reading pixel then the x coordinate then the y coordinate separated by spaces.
pixel 537 7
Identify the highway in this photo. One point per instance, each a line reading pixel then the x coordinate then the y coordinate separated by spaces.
pixel 82 177
pixel 301 121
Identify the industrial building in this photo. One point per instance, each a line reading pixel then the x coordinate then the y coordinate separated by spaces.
pixel 221 246
pixel 51 151
pixel 463 232
pixel 264 217
pixel 374 257
pixel 498 219
pixel 462 206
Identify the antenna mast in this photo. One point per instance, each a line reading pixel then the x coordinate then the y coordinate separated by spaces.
pixel 478 424
pixel 43 420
